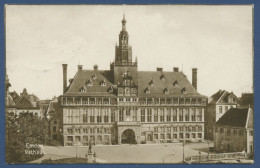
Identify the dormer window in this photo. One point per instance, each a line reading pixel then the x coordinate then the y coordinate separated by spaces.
pixel 110 89
pixel 184 91
pixel 175 83
pixel 162 77
pixel 94 76
pixel 83 89
pixel 166 91
pixel 151 83
pixel 147 91
pixel 103 82
pixel 89 82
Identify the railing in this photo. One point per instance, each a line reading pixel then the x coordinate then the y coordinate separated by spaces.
pixel 215 157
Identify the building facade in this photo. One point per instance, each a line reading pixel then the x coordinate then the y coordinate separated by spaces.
pixel 234 131
pixel 124 105
pixel 219 103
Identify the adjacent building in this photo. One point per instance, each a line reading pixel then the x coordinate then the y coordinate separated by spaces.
pixel 124 105
pixel 234 131
pixel 218 104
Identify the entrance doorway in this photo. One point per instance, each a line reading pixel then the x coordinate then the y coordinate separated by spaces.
pixel 128 137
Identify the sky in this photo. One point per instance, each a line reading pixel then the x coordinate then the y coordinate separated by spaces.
pixel 216 39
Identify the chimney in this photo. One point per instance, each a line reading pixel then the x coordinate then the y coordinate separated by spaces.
pixel 159 69
pixel 96 67
pixel 194 77
pixel 175 69
pixel 80 67
pixel 64 66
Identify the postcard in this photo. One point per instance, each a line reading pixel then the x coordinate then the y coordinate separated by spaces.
pixel 129 84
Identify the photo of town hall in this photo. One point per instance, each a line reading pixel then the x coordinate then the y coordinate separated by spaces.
pixel 124 105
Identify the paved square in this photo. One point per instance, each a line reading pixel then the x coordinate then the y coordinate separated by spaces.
pixel 143 153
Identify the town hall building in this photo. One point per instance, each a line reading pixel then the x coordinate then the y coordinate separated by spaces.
pixel 124 105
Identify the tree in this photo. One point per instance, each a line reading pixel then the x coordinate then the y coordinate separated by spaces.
pixel 21 130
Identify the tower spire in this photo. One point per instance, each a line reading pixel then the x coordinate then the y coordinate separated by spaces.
pixel 124 23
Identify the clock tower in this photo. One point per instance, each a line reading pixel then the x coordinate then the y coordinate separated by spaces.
pixel 125 70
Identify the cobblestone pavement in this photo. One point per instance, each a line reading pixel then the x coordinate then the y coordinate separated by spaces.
pixel 141 153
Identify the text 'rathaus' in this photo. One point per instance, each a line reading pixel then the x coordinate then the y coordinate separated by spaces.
pixel 124 105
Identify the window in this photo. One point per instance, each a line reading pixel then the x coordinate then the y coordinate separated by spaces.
pixel 166 91
pixel 142 115
pixel 89 82
pixel 162 136
pixel 121 115
pixel 174 129
pixel 174 136
pixel 199 114
pixel 147 91
pixel 134 114
pixel 155 117
pixel 105 115
pixel 149 115
pixel 70 131
pixel 228 131
pixel 181 115
pixel 199 135
pixel 113 116
pixel 92 130
pixel 70 138
pixel 186 114
pixel 168 136
pixel 221 130
pixel 55 122
pixel 181 129
pixel 155 136
pixel 220 109
pixel 85 118
pixel 181 135
pixel 161 115
pixel 174 117
pixel 85 130
pixel 193 114
pixel 235 132
pixel 226 108
pixel 103 82
pixel 168 115
pixel 127 111
pixel 77 130
pixel 54 129
pixel 85 138
pixel 151 83
pixel 175 83
pixel 99 119
pixel 187 135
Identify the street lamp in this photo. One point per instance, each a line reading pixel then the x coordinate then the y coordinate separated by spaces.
pixel 208 148
pixel 183 144
pixel 200 156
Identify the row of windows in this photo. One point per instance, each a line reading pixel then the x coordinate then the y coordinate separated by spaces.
pixel 89 130
pixel 179 129
pixel 230 131
pixel 175 136
pixel 221 108
pixel 86 138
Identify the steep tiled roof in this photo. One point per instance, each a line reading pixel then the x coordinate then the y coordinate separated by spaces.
pixel 27 102
pixel 221 96
pixel 175 82
pixel 83 76
pixel 236 117
pixel 167 83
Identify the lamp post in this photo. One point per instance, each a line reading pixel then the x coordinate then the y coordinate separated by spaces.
pixel 183 144
pixel 200 156
pixel 208 148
